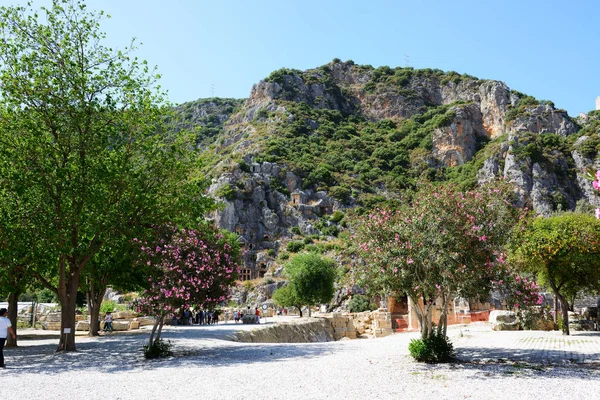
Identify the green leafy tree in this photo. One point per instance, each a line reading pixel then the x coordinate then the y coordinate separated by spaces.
pixel 115 264
pixel 564 252
pixel 311 278
pixel 81 146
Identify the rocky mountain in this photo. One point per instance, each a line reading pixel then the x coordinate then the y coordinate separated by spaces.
pixel 307 145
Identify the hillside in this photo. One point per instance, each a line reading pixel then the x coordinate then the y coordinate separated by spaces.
pixel 306 144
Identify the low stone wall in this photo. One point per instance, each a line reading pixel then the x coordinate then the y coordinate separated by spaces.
pixel 303 330
pixel 336 326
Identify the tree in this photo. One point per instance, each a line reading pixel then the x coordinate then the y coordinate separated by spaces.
pixel 18 251
pixel 114 264
pixel 81 148
pixel 441 244
pixel 564 252
pixel 190 267
pixel 311 278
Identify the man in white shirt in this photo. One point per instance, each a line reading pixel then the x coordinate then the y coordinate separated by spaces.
pixel 5 328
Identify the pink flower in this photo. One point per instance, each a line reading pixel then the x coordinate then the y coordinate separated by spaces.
pixel 598 175
pixel 598 213
pixel 596 185
pixel 410 261
pixel 483 238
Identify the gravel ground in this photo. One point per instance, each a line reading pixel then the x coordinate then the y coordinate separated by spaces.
pixel 494 365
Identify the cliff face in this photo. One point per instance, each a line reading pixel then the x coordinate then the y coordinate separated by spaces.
pixel 308 143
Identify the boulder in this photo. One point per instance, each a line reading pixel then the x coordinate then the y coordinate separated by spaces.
pixel 52 317
pixel 134 325
pixel 144 321
pixel 504 321
pixel 120 325
pixel 124 315
pixel 82 326
pixel 51 326
pixel 249 319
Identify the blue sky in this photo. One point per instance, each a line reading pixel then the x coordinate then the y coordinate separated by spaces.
pixel 548 49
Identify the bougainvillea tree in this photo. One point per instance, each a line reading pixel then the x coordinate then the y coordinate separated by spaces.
pixel 444 243
pixel 190 267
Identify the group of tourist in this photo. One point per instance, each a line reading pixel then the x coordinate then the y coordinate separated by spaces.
pixel 201 317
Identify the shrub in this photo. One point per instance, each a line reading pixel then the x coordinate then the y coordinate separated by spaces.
pixel 284 256
pixel 47 296
pixel 268 280
pixel 337 216
pixel 244 167
pixel 159 349
pixel 311 248
pixel 436 348
pixel 271 252
pixel 227 191
pixel 332 230
pixel 295 230
pixel 359 303
pixel 107 306
pixel 294 247
pixel 340 193
pixel 308 240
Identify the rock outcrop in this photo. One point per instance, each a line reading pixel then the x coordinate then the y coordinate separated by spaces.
pixel 481 124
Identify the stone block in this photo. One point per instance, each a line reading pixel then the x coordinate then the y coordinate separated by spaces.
pixel 120 325
pixel 134 325
pixel 124 315
pixel 51 326
pixel 144 321
pixel 52 317
pixel 82 326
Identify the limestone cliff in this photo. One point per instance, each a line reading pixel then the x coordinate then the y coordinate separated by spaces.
pixel 308 143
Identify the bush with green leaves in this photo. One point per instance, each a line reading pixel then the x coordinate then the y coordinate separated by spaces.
pixel 107 306
pixel 159 349
pixel 47 296
pixel 360 303
pixel 436 348
pixel 226 191
pixel 294 247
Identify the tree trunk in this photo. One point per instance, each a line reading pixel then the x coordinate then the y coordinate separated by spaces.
pixel 555 309
pixel 160 326
pixel 565 315
pixel 154 327
pixel 300 310
pixel 67 295
pixel 13 298
pixel 443 321
pixel 94 298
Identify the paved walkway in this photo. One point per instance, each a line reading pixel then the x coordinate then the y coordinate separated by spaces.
pixel 477 342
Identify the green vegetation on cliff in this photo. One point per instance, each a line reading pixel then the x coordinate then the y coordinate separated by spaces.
pixel 205 118
pixel 337 153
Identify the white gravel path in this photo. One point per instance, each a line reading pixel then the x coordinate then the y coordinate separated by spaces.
pixel 208 367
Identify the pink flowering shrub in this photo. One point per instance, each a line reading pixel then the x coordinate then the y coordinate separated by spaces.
pixel 444 243
pixel 188 268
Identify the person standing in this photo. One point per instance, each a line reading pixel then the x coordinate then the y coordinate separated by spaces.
pixel 257 315
pixel 5 329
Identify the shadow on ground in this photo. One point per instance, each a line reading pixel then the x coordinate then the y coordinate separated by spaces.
pixel 193 347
